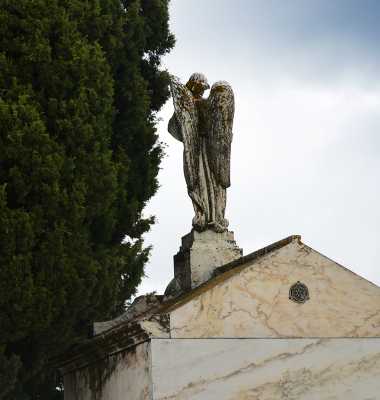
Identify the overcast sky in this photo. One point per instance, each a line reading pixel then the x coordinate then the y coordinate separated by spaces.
pixel 305 152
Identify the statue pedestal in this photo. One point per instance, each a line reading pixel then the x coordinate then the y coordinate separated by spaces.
pixel 201 253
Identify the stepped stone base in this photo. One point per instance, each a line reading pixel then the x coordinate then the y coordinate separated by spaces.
pixel 201 253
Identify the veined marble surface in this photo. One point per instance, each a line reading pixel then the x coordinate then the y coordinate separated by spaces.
pixel 255 302
pixel 121 376
pixel 266 369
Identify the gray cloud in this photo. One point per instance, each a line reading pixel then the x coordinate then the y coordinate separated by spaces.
pixel 305 156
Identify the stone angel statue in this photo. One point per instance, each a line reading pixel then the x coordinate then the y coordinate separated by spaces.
pixel 204 126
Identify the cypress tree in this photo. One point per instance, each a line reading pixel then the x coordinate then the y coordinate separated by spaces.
pixel 80 86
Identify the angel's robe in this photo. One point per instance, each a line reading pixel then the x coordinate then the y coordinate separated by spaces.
pixel 204 126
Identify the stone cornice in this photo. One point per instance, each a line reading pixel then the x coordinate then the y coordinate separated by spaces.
pixel 118 339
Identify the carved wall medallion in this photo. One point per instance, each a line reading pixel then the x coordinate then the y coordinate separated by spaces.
pixel 299 292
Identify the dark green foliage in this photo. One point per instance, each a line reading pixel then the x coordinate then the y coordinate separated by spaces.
pixel 80 83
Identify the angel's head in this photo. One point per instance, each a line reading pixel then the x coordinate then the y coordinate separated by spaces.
pixel 197 84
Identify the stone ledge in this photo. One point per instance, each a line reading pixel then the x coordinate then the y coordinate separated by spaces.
pixel 118 339
pixel 139 307
pixel 257 254
pixel 206 236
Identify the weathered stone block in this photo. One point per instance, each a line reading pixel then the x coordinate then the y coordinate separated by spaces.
pixel 201 253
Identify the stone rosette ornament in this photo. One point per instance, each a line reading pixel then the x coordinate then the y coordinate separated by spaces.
pixel 204 126
pixel 299 292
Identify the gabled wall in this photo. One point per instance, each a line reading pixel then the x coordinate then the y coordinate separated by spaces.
pixel 255 301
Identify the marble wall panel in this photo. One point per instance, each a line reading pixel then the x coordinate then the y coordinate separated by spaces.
pixel 255 302
pixel 121 376
pixel 266 369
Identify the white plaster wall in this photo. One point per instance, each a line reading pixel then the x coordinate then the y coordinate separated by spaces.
pixel 122 376
pixel 255 302
pixel 266 369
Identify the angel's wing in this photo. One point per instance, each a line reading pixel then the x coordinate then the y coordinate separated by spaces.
pixel 219 112
pixel 186 115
